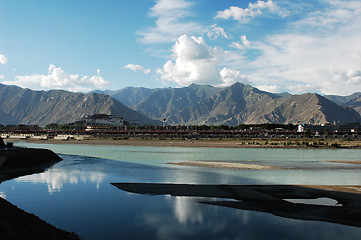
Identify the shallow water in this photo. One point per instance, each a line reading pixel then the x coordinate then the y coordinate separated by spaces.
pixel 75 194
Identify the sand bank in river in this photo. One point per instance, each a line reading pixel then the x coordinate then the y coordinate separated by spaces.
pixel 351 162
pixel 229 165
pixel 267 198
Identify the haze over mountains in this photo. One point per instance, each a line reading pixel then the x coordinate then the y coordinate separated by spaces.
pixel 195 104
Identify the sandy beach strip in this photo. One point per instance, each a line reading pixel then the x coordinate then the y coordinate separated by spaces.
pixel 336 188
pixel 351 162
pixel 228 165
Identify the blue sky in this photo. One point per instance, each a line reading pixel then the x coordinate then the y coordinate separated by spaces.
pixel 274 45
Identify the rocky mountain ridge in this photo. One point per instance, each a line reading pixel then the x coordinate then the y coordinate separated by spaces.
pixel 25 106
pixel 239 103
pixel 195 104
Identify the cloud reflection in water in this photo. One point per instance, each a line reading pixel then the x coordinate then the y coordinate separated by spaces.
pixel 55 180
pixel 3 195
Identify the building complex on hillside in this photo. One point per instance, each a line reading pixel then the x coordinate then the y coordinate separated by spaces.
pixel 102 121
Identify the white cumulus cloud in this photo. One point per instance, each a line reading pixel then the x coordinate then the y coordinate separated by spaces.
pixel 172 20
pixel 319 52
pixel 135 68
pixel 243 44
pixel 269 88
pixel 253 10
pixel 196 62
pixel 230 76
pixel 3 59
pixel 58 79
pixel 215 31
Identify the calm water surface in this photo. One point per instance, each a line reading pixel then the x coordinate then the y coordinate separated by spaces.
pixel 75 194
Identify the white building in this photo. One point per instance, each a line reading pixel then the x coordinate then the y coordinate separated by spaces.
pixel 103 119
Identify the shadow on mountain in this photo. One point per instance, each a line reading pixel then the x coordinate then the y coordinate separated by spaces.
pixel 274 199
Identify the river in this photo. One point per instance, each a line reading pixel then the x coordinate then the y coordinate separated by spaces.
pixel 76 195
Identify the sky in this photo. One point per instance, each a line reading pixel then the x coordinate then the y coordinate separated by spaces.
pixel 274 45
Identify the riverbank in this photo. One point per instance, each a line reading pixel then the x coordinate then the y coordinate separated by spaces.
pixel 213 143
pixel 15 223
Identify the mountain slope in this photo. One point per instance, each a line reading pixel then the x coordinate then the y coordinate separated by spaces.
pixel 230 106
pixel 310 108
pixel 129 96
pixel 18 105
pixel 353 100
pixel 165 102
pixel 241 103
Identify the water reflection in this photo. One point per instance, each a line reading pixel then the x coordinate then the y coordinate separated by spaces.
pixel 183 218
pixel 161 220
pixel 3 195
pixel 186 211
pixel 55 180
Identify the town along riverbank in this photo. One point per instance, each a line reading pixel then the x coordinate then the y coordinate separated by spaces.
pixel 213 143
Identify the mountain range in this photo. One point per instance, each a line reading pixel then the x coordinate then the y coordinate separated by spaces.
pixel 237 104
pixel 18 105
pixel 195 104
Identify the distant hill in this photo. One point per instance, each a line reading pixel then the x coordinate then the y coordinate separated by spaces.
pixel 24 106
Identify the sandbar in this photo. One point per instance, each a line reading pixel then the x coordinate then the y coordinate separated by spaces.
pixel 267 198
pixel 228 165
pixel 352 162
